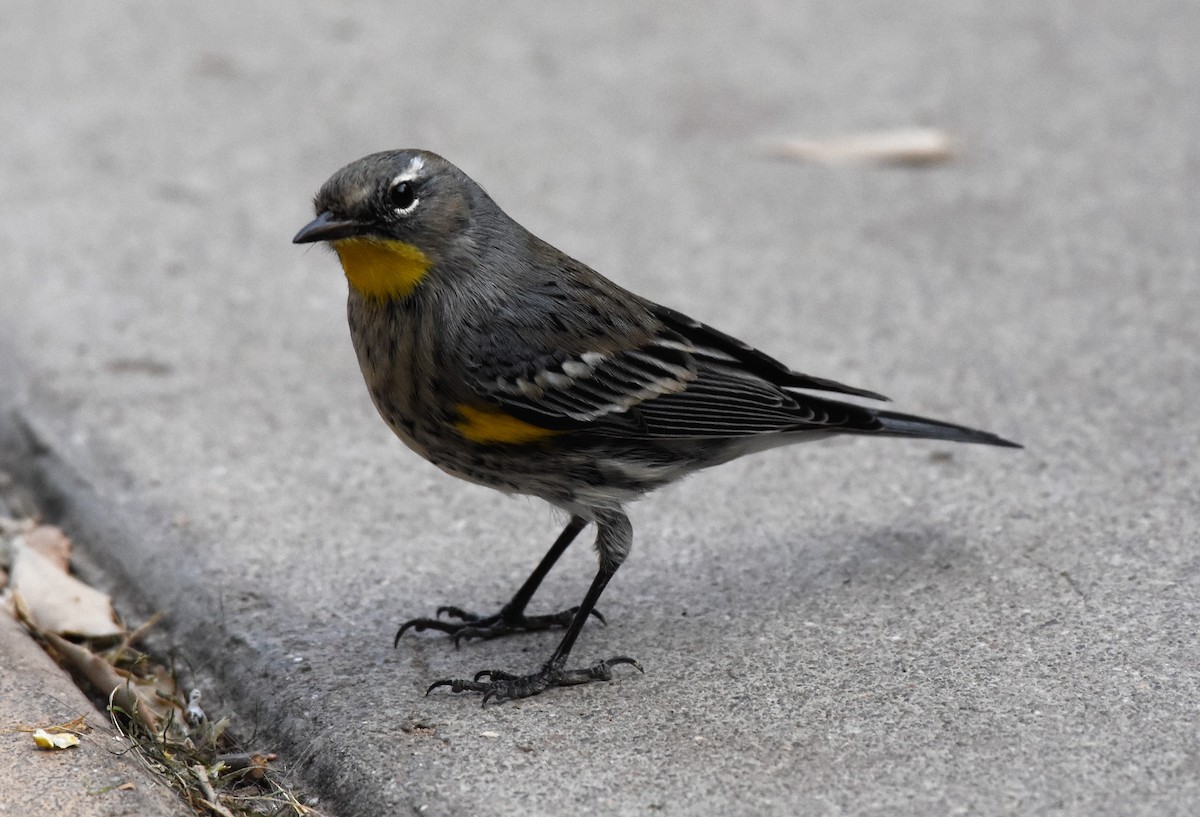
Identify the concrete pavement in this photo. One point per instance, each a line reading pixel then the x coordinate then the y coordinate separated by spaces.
pixel 864 627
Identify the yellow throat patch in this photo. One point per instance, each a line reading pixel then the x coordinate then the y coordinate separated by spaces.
pixel 381 270
pixel 489 425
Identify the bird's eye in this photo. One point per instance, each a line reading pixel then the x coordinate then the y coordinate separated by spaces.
pixel 403 196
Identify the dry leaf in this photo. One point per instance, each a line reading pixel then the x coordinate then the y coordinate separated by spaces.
pixel 10 527
pixel 55 600
pixel 77 725
pixel 59 740
pixel 125 691
pixel 51 542
pixel 254 765
pixel 905 146
pixel 211 800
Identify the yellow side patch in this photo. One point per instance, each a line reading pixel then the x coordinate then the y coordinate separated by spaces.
pixel 489 425
pixel 381 270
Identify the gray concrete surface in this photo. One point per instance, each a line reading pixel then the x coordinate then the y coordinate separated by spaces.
pixel 866 627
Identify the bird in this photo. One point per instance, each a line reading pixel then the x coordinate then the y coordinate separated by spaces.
pixel 506 362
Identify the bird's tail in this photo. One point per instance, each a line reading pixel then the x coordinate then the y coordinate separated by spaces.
pixel 895 424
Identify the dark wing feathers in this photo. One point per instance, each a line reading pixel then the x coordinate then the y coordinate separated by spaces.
pixel 754 361
pixel 726 402
pixel 672 377
pixel 591 388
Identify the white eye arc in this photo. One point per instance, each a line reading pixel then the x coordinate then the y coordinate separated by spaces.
pixel 403 196
pixel 402 193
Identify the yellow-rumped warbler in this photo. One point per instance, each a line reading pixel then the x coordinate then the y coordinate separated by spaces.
pixel 505 362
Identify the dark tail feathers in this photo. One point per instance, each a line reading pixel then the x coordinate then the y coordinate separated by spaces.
pixel 895 424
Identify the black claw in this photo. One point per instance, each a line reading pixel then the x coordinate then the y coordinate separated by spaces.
pixel 625 659
pixel 502 686
pixel 472 625
pixel 457 612
pixel 412 624
pixel 491 631
pixel 421 624
pixel 456 685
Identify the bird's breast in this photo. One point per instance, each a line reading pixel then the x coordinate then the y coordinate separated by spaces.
pixel 394 346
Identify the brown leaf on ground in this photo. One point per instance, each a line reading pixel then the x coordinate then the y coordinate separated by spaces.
pixel 253 765
pixel 51 542
pixel 55 600
pixel 78 726
pixel 902 146
pixel 130 693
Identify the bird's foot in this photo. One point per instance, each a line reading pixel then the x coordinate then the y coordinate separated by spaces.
pixel 472 625
pixel 504 685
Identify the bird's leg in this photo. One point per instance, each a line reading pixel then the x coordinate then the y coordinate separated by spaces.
pixel 613 539
pixel 511 618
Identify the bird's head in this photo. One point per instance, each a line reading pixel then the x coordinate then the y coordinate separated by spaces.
pixel 391 217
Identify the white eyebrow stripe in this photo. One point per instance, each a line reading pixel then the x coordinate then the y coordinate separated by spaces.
pixel 415 165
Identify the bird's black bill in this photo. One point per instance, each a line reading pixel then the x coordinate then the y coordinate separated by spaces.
pixel 327 228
